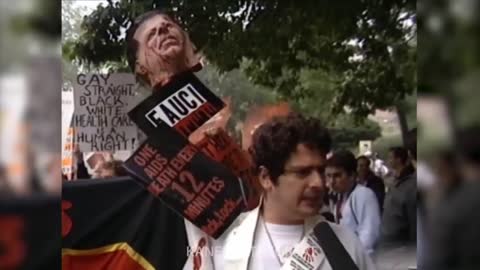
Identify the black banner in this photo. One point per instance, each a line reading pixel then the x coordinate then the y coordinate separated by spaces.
pixel 29 233
pixel 198 188
pixel 183 104
pixel 116 224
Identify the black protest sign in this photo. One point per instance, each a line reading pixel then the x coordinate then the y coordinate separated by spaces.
pixel 203 191
pixel 220 147
pixel 101 105
pixel 183 104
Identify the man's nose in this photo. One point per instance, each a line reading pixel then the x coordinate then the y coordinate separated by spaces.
pixel 317 180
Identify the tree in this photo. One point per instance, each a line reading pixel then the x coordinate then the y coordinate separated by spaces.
pixel 71 21
pixel 346 130
pixel 369 45
pixel 244 94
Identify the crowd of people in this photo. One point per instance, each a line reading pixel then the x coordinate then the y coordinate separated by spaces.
pixel 358 199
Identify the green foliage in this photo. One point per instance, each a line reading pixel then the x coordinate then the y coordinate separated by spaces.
pixel 346 132
pixel 244 94
pixel 280 39
pixel 303 61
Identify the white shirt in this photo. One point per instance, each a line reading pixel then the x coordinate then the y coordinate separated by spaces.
pixel 231 251
pixel 361 214
pixel 284 237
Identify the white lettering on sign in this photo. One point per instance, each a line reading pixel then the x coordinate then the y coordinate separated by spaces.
pixel 176 107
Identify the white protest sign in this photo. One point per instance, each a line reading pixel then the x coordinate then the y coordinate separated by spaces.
pixel 102 102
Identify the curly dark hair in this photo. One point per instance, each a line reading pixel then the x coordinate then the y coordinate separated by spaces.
pixel 345 160
pixel 274 141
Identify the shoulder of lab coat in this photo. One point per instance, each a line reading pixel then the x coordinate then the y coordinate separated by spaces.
pixel 213 253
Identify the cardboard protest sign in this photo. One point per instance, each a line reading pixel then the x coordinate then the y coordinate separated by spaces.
pixel 183 104
pixel 67 111
pixel 219 121
pixel 175 171
pixel 101 105
pixel 67 153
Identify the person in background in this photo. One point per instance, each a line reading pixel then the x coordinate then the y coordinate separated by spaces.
pixel 81 171
pixel 357 206
pixel 366 177
pixel 399 220
pixel 109 169
pixel 455 222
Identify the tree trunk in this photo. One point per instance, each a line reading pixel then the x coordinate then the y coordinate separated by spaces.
pixel 402 120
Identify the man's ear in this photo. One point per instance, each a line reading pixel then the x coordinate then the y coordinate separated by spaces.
pixel 265 179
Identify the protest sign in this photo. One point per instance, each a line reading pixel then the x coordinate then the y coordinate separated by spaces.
pixel 101 105
pixel 174 170
pixel 219 121
pixel 364 147
pixel 222 148
pixel 67 130
pixel 183 104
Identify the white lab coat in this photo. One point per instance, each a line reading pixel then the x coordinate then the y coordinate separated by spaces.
pixel 236 245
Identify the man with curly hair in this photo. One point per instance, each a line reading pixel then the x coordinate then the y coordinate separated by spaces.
pixel 290 156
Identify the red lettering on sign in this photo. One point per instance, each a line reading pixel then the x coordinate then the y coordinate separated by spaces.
pixel 12 242
pixel 220 216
